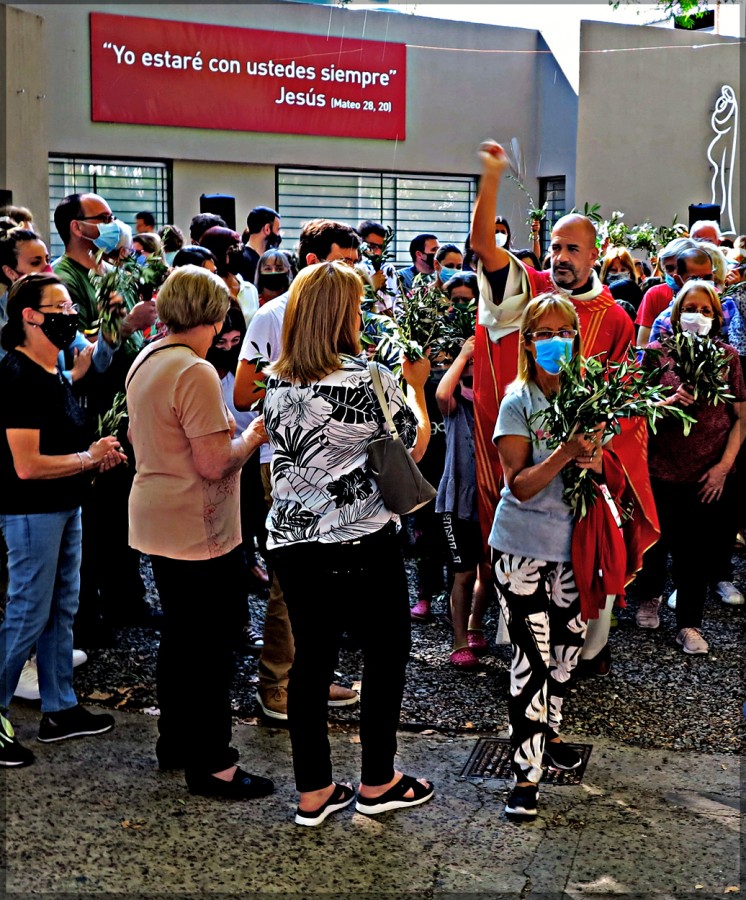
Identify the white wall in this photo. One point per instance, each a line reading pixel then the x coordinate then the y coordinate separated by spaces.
pixel 644 119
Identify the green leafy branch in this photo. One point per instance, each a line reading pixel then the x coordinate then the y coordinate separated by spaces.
pixel 593 398
pixel 702 366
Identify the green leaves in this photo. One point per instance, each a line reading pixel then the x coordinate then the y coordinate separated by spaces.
pixel 591 395
pixel 128 280
pixel 108 423
pixel 702 366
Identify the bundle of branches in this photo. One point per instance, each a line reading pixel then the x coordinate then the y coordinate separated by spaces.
pixel 418 325
pixel 592 399
pixel 617 231
pixel 109 423
pixel 126 280
pixel 535 213
pixel 377 260
pixel 702 366
pixel 456 325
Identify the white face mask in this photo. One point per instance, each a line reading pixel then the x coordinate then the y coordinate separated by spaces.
pixel 501 239
pixel 695 322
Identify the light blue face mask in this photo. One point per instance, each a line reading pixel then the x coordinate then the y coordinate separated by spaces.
pixel 672 283
pixel 112 235
pixel 447 274
pixel 550 353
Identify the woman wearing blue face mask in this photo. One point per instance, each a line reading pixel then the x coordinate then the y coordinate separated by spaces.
pixel 530 541
pixel 449 261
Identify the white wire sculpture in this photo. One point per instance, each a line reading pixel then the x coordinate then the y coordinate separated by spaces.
pixel 722 154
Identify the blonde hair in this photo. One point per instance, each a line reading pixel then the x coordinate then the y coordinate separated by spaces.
pixel 535 309
pixel 624 257
pixel 695 285
pixel 191 296
pixel 322 321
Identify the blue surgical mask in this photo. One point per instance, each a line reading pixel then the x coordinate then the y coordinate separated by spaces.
pixel 140 259
pixel 672 283
pixel 549 354
pixel 109 235
pixel 447 274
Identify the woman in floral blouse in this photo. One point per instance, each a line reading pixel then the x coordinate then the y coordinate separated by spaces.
pixel 332 540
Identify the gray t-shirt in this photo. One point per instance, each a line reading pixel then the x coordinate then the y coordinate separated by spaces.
pixel 539 528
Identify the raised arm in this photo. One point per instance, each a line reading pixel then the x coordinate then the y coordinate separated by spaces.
pixel 494 163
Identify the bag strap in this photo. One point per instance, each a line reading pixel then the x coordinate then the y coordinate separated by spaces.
pixel 150 356
pixel 375 377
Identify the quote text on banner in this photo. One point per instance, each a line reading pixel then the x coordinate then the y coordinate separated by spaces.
pixel 159 72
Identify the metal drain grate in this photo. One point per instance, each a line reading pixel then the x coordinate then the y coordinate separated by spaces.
pixel 491 759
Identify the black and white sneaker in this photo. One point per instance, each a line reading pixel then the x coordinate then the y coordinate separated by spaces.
pixel 12 754
pixel 71 723
pixel 560 755
pixel 522 802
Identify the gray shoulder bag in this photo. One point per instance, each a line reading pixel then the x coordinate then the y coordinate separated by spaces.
pixel 402 485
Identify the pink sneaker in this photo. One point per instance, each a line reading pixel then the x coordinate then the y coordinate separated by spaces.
pixel 464 658
pixel 477 642
pixel 420 612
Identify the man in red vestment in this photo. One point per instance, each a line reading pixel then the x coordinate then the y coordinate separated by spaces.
pixel 506 285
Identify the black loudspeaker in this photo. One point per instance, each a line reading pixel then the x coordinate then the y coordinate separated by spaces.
pixel 6 197
pixel 222 205
pixel 710 212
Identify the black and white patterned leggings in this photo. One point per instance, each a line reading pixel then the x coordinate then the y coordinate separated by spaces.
pixel 541 606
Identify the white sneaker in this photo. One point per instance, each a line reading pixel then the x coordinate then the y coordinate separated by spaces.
pixel 28 684
pixel 691 641
pixel 671 602
pixel 729 593
pixel 79 657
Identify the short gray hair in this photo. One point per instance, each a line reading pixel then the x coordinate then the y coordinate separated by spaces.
pixel 706 223
pixel 191 296
pixel 676 246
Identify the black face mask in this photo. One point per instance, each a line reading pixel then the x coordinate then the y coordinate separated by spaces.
pixel 430 259
pixel 278 282
pixel 60 328
pixel 273 240
pixel 226 360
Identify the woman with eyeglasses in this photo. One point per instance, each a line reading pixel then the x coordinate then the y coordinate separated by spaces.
pixel 46 459
pixel 693 481
pixel 530 540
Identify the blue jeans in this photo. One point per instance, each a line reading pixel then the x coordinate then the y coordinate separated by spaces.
pixel 43 588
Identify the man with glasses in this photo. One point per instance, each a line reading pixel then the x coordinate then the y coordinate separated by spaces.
pixel 660 296
pixel 86 225
pixel 383 280
pixel 695 263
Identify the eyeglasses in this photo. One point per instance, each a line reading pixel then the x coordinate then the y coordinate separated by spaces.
pixel 567 334
pixel 104 218
pixel 374 246
pixel 66 309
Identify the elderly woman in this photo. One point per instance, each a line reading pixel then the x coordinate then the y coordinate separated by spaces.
pixel 693 481
pixel 46 458
pixel 531 540
pixel 184 512
pixel 333 541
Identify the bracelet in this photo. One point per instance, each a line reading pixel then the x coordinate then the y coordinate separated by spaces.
pixel 82 463
pixel 80 455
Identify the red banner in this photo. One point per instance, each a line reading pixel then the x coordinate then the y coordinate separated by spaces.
pixel 159 72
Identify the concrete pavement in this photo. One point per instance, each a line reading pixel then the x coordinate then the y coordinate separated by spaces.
pixel 96 816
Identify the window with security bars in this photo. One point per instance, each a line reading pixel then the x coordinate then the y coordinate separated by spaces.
pixel 410 204
pixel 551 192
pixel 128 186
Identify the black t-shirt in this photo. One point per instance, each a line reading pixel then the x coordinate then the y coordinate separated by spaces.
pixel 248 266
pixel 35 399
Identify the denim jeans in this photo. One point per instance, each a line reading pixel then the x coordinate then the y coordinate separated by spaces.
pixel 43 588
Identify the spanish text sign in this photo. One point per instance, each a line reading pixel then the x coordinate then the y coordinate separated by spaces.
pixel 158 72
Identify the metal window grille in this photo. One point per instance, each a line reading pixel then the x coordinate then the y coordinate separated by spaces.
pixel 128 186
pixel 410 204
pixel 551 192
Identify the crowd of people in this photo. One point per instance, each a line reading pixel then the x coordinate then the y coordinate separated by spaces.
pixel 242 464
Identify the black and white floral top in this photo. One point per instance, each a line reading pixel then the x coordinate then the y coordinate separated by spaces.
pixel 321 487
